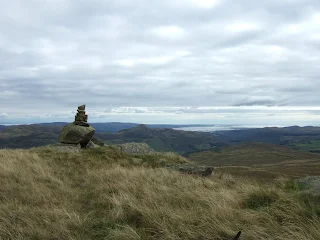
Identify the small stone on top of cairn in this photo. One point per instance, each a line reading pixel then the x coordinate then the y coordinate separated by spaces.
pixel 81 118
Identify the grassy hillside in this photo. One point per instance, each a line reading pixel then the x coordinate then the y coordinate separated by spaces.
pixel 101 194
pixel 27 136
pixel 269 160
pixel 248 154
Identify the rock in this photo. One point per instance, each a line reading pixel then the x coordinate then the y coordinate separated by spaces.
pixel 310 184
pixel 81 118
pixel 82 107
pixel 199 170
pixel 136 148
pixel 98 141
pixel 80 123
pixel 137 161
pixel 78 132
pixel 92 145
pixel 74 134
pixel 67 147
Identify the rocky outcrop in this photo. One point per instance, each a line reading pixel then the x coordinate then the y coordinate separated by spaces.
pixel 98 141
pixel 78 132
pixel 136 148
pixel 61 147
pixel 199 170
pixel 91 144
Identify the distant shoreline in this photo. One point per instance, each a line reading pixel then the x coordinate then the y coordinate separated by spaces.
pixel 225 127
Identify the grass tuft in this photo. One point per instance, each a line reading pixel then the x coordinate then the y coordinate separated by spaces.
pixel 260 199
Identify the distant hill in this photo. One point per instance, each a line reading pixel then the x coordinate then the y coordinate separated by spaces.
pixel 113 127
pixel 273 135
pixel 166 139
pixel 110 127
pixel 299 138
pixel 27 136
pixel 163 137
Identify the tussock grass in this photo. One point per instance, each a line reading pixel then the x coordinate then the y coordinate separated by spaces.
pixel 100 194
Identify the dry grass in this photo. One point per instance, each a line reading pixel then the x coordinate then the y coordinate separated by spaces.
pixel 100 194
pixel 262 161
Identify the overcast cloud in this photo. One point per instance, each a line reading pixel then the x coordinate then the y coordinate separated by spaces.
pixel 174 61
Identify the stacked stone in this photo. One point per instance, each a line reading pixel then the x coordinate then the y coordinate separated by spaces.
pixel 81 118
pixel 78 132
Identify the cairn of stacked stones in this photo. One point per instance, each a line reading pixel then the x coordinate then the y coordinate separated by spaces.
pixel 78 132
pixel 81 117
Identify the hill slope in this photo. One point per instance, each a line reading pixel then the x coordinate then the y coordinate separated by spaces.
pixel 179 141
pixel 248 154
pixel 274 135
pixel 271 159
pixel 100 194
pixel 113 127
pixel 27 136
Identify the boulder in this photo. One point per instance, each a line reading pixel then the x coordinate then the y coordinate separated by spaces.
pixel 136 148
pixel 78 132
pixel 82 107
pixel 91 144
pixel 61 147
pixel 98 141
pixel 200 170
pixel 74 134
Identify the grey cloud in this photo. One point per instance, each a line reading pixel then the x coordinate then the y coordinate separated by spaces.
pixel 3 115
pixel 256 103
pixel 106 54
pixel 259 101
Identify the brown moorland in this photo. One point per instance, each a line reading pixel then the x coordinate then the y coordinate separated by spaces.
pixel 102 194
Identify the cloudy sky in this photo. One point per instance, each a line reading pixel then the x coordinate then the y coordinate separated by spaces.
pixel 161 61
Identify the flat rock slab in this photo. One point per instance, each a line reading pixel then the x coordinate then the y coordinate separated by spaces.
pixel 92 145
pixel 199 170
pixel 67 147
pixel 136 148
pixel 98 141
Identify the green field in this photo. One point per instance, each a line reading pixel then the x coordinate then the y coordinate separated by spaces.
pixel 308 146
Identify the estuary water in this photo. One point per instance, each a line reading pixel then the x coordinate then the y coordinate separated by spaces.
pixel 215 128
